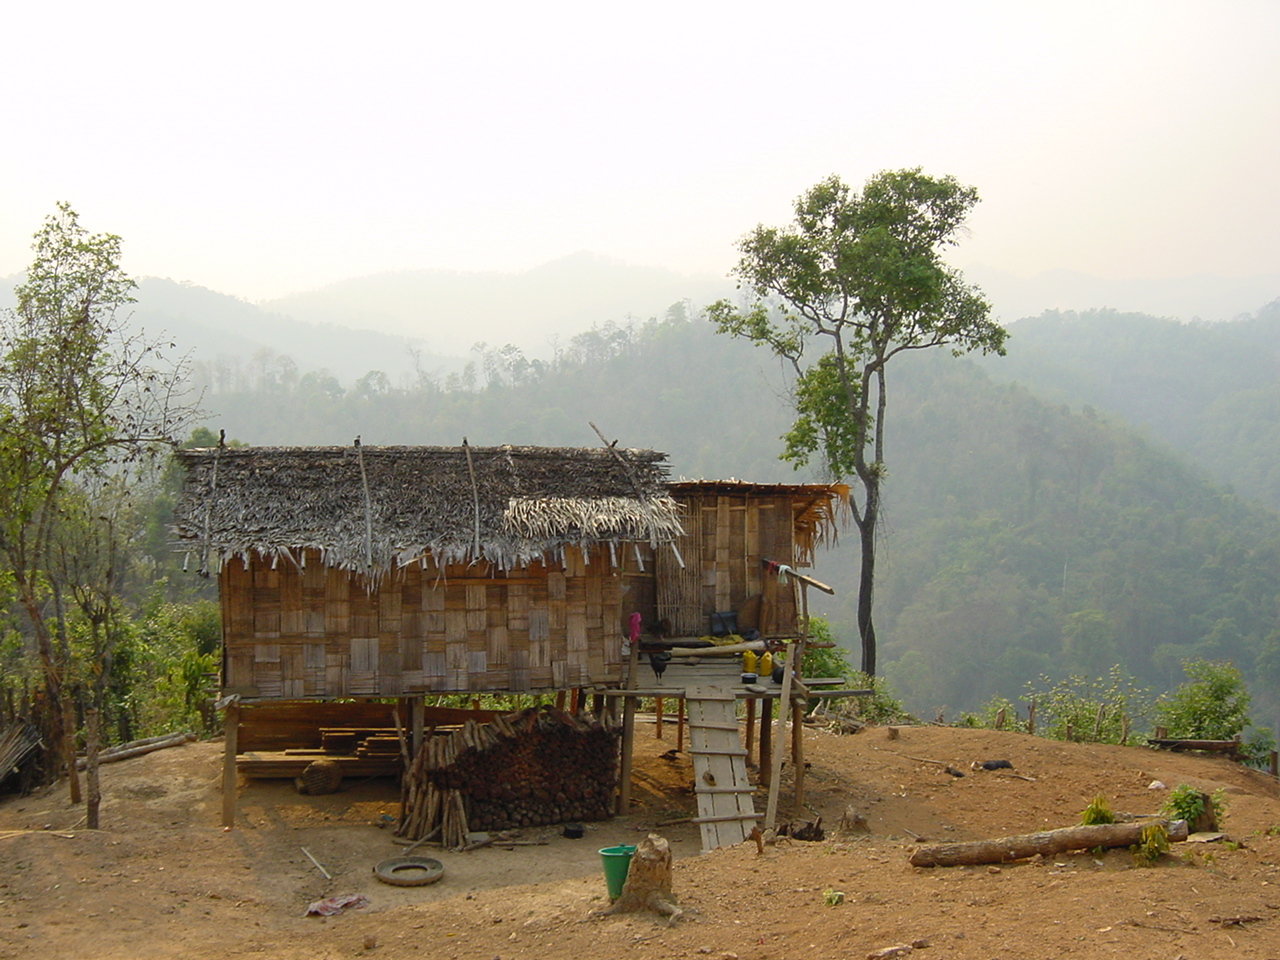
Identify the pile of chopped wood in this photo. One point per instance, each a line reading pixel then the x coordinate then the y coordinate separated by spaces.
pixel 538 766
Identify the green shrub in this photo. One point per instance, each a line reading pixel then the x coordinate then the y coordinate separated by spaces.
pixel 1098 710
pixel 1187 803
pixel 1153 843
pixel 1097 812
pixel 1212 705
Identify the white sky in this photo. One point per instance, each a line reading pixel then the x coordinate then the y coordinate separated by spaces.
pixel 262 147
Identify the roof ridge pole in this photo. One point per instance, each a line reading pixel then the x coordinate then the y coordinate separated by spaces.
pixel 475 499
pixel 368 511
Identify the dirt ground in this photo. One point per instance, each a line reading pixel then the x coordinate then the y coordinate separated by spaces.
pixel 163 879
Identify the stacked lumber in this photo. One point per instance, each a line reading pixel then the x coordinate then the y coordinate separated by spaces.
pixel 535 767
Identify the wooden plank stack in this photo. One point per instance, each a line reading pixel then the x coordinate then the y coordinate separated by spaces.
pixel 534 767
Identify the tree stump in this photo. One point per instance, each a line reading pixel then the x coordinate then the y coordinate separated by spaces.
pixel 648 885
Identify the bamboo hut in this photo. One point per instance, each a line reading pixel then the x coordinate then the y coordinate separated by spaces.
pixel 387 571
pixel 366 573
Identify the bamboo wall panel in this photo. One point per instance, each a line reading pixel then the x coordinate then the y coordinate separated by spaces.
pixel 678 587
pixel 726 537
pixel 309 631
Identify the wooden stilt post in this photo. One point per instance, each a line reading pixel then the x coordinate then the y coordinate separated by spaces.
pixel 560 694
pixel 628 734
pixel 766 739
pixel 657 709
pixel 751 727
pixel 417 714
pixel 231 736
pixel 679 723
pixel 575 701
pixel 797 749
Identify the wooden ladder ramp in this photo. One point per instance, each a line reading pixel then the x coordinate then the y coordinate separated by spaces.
pixel 726 811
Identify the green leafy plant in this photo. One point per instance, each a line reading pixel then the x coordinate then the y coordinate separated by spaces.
pixel 1187 803
pixel 1152 844
pixel 1097 812
pixel 832 898
pixel 1212 705
pixel 1101 710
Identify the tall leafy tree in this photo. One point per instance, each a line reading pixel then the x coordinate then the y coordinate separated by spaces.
pixel 79 395
pixel 855 280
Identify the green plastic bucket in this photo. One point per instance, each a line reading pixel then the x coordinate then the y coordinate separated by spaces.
pixel 617 860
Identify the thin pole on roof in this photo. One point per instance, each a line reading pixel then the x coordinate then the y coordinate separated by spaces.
pixel 475 497
pixel 208 505
pixel 368 511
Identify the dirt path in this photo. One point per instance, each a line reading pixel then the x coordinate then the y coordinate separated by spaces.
pixel 163 880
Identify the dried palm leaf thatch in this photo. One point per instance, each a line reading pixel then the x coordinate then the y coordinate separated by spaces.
pixel 367 509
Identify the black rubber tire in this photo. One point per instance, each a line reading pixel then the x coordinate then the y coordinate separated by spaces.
pixel 409 871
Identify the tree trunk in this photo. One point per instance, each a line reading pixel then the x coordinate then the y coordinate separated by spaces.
pixel 648 884
pixel 69 746
pixel 1046 843
pixel 867 579
pixel 92 787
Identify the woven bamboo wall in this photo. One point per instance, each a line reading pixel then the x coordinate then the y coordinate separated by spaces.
pixel 294 633
pixel 725 538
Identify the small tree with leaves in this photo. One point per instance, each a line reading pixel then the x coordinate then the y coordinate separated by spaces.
pixel 79 395
pixel 857 279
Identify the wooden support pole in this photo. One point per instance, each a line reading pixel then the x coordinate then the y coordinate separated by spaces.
pixel 560 695
pixel 628 734
pixel 231 736
pixel 751 727
pixel 657 725
pixel 766 740
pixel 797 750
pixel 679 724
pixel 797 709
pixel 575 701
pixel 417 714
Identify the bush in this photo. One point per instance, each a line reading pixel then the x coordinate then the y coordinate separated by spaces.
pixel 1097 812
pixel 1187 803
pixel 1094 710
pixel 882 707
pixel 1212 705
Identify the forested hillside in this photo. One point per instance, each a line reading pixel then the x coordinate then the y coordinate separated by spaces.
pixel 1209 390
pixel 1021 537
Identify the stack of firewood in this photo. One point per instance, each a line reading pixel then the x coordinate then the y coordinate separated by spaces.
pixel 535 767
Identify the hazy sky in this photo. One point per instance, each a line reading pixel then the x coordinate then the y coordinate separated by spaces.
pixel 267 147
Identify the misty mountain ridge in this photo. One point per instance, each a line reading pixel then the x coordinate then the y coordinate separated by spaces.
pixel 449 311
pixel 1190 298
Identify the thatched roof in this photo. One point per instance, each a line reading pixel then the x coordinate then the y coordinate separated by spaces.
pixel 368 509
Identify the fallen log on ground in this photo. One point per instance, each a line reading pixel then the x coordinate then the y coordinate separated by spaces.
pixel 1045 843
pixel 138 747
